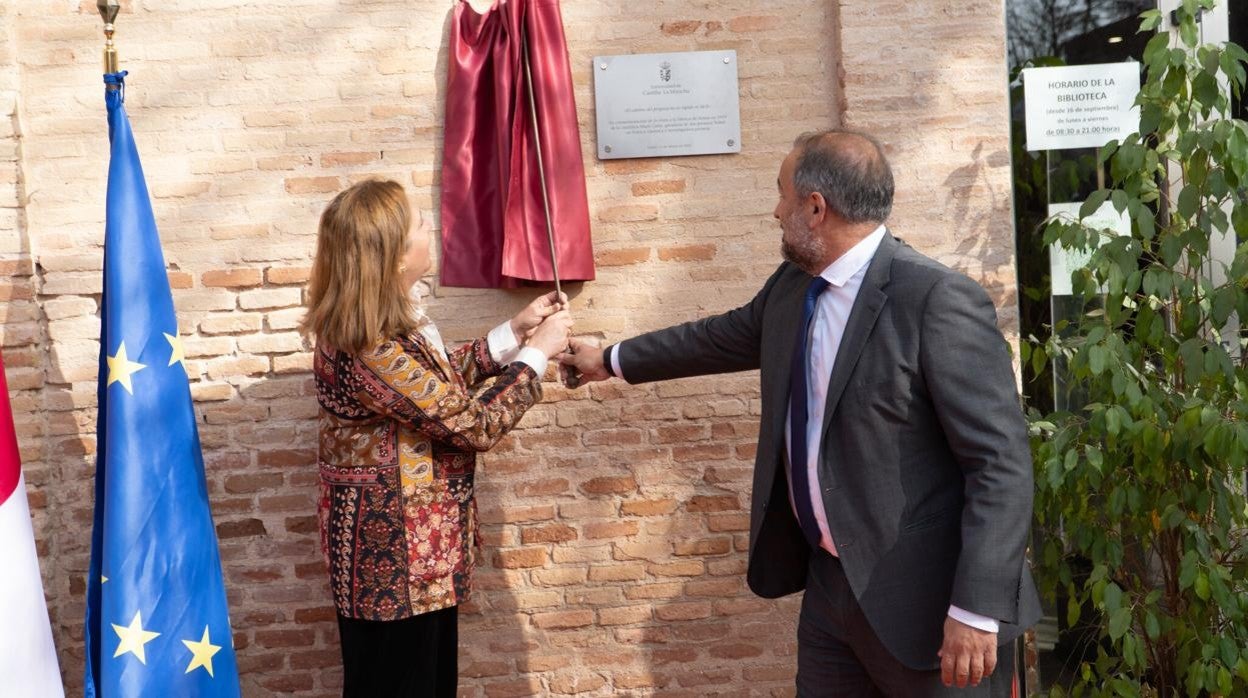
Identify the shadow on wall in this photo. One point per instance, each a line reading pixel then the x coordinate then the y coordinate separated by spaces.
pixel 991 250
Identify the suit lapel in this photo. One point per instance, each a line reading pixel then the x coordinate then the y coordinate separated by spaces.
pixel 866 310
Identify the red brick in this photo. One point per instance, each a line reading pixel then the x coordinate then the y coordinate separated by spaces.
pixel 703 452
pixel 753 24
pixel 520 558
pixel 610 529
pixel 625 615
pixel 552 533
pixel 315 659
pixel 662 186
pixel 560 620
pixel 285 638
pixel 616 572
pixel 706 503
pixel 705 546
pixel 649 507
pixel 252 482
pixel 287 682
pixel 480 669
pixel 728 522
pixel 231 278
pixel 313 185
pixel 241 529
pixel 315 615
pixel 341 159
pixel 517 688
pixel 680 433
pixel 180 280
pixel 303 524
pixel 673 655
pixel 681 28
pixel 286 458
pixel 287 275
pixel 622 257
pixel 683 611
pixel 687 253
pixel 571 685
pixel 610 485
pixel 541 488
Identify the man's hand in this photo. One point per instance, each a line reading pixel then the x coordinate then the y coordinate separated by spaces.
pixel 527 320
pixel 552 334
pixel 968 654
pixel 586 357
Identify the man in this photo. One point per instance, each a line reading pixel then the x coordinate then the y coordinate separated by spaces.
pixel 893 477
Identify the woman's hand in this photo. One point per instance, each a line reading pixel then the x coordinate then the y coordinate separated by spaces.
pixel 526 321
pixel 552 335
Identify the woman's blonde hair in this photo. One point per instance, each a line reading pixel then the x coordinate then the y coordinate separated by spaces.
pixel 356 294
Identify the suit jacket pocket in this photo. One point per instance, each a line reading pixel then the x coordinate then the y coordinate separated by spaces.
pixel 945 516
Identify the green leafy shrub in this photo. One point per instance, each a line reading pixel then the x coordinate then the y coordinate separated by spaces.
pixel 1140 501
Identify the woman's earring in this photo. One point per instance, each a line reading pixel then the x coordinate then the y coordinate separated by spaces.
pixel 402 268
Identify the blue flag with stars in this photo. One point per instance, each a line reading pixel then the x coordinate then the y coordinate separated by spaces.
pixel 157 623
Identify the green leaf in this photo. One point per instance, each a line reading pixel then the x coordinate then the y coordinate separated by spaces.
pixel 1228 651
pixel 1096 359
pixel 1206 90
pixel 1152 626
pixel 1201 586
pixel 1094 202
pixel 1188 32
pixel 1189 201
pixel 1120 200
pixel 1112 597
pixel 1119 621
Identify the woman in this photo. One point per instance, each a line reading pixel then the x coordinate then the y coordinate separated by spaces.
pixel 401 422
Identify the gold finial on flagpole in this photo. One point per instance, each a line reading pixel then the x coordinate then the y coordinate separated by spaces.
pixel 108 10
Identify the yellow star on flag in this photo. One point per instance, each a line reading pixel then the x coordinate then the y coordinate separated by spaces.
pixel 133 637
pixel 175 342
pixel 201 652
pixel 120 368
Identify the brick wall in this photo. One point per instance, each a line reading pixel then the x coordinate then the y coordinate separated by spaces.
pixel 615 519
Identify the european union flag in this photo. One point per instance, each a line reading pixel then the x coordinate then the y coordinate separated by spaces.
pixel 157 622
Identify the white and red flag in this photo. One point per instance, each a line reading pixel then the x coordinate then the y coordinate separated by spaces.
pixel 28 665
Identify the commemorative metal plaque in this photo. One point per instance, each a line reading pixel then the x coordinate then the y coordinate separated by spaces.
pixel 666 104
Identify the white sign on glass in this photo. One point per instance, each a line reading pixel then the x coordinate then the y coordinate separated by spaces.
pixel 1081 106
pixel 665 104
pixel 1062 261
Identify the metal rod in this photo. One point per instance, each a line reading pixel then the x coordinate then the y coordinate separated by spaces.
pixel 541 170
pixel 571 378
pixel 108 11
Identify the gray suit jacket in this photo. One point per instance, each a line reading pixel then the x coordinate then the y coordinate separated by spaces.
pixel 924 462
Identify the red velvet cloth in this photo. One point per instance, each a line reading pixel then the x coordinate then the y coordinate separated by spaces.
pixel 493 221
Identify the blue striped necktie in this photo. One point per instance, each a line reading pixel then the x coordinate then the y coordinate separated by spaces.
pixel 798 416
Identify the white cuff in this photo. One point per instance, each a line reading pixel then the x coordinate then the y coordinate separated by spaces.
pixel 988 625
pixel 615 363
pixel 504 345
pixel 534 358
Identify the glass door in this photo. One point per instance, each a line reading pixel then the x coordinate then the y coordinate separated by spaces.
pixel 1057 33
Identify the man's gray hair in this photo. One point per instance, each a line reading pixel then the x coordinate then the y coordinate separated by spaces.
pixel 849 169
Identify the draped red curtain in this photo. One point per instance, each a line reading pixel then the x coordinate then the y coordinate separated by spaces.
pixel 493 221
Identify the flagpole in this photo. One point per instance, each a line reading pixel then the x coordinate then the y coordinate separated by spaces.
pixel 571 378
pixel 108 11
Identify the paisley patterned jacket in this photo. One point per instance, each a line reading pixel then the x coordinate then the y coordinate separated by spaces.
pixel 400 427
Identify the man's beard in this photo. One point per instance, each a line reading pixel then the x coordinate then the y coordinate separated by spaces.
pixel 806 249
